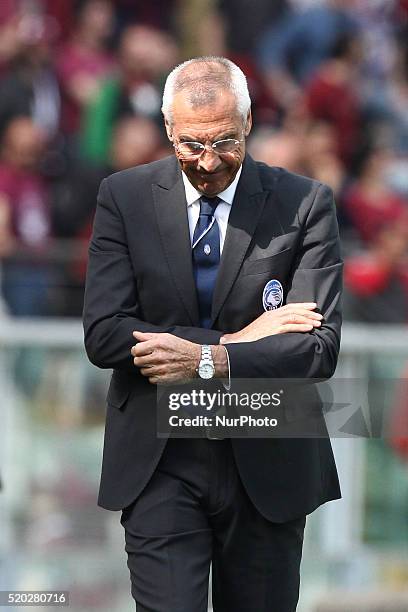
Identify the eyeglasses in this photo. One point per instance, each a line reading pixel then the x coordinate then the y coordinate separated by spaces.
pixel 193 150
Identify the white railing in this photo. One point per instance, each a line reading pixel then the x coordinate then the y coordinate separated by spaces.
pixel 357 339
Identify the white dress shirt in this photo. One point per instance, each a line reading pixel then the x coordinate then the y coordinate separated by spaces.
pixel 221 212
pixel 221 215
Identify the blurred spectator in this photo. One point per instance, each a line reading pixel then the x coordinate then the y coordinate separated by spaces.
pixel 62 11
pixel 135 140
pixel 328 83
pixel 379 22
pixel 200 28
pixel 29 86
pixel 376 282
pixel 8 10
pixel 25 215
pixel 205 27
pixel 401 11
pixel 243 26
pixel 9 40
pixel 389 103
pixel 320 158
pixel 290 52
pixel 310 151
pixel 281 148
pixel 158 14
pixel 84 60
pixel 331 94
pixel 145 55
pixel 369 202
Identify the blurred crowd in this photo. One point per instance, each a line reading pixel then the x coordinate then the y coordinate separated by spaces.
pixel 80 96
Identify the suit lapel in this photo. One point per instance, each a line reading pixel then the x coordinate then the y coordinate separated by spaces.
pixel 245 212
pixel 172 218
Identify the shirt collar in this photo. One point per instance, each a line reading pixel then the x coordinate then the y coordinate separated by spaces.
pixel 192 194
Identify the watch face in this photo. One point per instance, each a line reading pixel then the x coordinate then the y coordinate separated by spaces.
pixel 206 370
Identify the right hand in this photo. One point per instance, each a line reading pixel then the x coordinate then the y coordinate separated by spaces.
pixel 290 318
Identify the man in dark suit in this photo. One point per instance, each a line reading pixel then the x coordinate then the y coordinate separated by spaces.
pixel 206 265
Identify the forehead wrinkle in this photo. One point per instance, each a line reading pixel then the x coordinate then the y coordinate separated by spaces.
pixel 210 123
pixel 205 115
pixel 205 121
pixel 204 104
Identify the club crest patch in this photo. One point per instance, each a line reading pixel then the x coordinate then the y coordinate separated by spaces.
pixel 272 296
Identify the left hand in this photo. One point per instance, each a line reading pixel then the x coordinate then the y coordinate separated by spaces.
pixel 300 317
pixel 164 358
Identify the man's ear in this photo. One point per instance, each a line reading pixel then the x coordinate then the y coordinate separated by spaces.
pixel 168 130
pixel 248 124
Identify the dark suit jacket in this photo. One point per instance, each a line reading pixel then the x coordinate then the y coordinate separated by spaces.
pixel 281 226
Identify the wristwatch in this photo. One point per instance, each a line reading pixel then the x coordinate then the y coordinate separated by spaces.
pixel 206 367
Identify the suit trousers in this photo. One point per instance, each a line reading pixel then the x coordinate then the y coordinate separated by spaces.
pixel 195 512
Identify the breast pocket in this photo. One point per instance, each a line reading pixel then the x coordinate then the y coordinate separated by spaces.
pixel 266 264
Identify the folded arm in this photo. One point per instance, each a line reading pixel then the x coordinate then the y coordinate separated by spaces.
pixel 111 308
pixel 317 277
pixel 293 341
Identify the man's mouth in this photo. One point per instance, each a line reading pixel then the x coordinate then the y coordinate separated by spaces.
pixel 207 176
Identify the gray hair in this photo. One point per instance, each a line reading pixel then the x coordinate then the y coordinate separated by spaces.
pixel 202 86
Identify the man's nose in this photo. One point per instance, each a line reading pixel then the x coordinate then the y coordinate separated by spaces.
pixel 209 160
